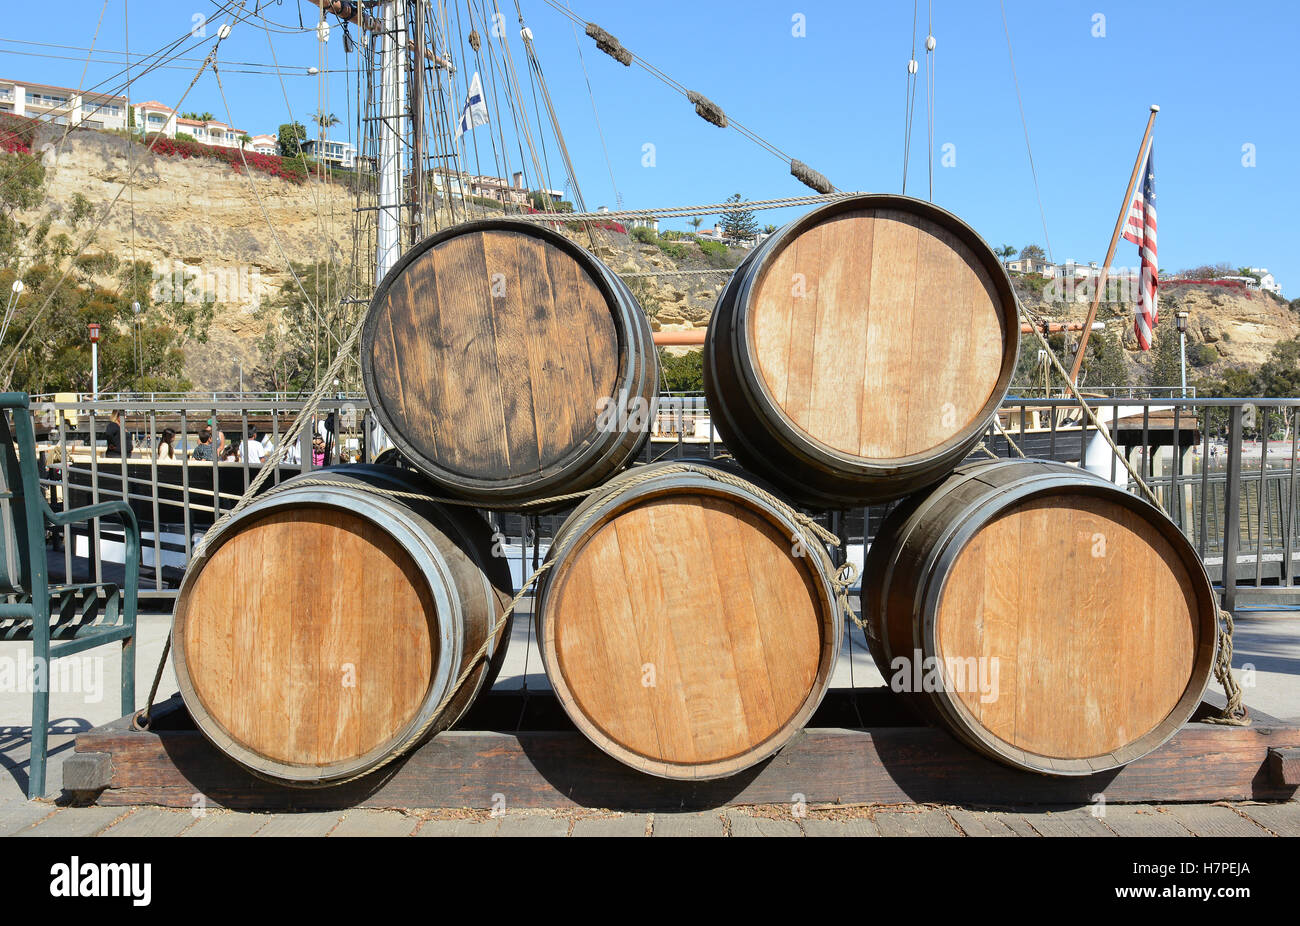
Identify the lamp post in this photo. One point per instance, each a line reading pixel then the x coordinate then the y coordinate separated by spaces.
pixel 94 361
pixel 1181 319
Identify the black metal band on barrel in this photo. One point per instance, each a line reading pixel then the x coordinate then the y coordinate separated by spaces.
pixel 609 45
pixel 708 110
pixel 809 177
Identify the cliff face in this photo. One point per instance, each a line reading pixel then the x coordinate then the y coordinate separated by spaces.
pixel 198 218
pixel 236 232
pixel 1241 326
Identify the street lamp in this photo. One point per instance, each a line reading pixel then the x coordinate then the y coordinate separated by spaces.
pixel 1181 319
pixel 94 361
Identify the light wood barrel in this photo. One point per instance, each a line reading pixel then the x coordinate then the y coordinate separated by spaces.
pixel 318 632
pixel 684 628
pixel 508 364
pixel 858 353
pixel 1069 626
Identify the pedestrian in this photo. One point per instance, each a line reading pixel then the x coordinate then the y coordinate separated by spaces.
pixel 118 442
pixel 166 450
pixel 205 450
pixel 318 451
pixel 252 450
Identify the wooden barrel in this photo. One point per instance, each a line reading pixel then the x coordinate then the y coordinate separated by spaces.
pixel 858 353
pixel 508 364
pixel 685 627
pixel 1048 619
pixel 317 633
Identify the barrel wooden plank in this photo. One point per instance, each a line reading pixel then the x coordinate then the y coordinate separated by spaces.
pixel 286 694
pixel 681 630
pixel 491 351
pixel 859 352
pixel 1085 614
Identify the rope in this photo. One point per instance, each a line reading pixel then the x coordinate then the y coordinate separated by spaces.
pixel 609 45
pixel 1025 124
pixel 1234 713
pixel 707 110
pixel 809 177
pixel 686 211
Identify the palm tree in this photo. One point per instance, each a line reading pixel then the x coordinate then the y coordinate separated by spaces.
pixel 696 222
pixel 324 120
pixel 769 229
pixel 1006 252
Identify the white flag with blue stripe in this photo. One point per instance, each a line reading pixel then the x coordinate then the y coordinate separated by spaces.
pixel 475 112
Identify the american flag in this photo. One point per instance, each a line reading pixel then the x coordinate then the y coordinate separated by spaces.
pixel 1140 228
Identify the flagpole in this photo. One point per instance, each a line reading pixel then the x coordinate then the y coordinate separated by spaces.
pixel 1110 253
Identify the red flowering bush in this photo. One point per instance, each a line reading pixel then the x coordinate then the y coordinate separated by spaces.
pixel 290 169
pixel 16 134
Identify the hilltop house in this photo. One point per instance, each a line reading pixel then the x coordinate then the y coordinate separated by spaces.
pixel 63 106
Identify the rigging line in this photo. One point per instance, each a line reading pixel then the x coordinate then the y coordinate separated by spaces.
pixel 535 64
pixel 253 68
pixel 545 179
pixel 600 133
pixel 654 71
pixel 136 334
pixel 929 93
pixel 275 237
pixel 460 141
pixel 515 104
pixel 517 92
pixel 67 129
pixel 316 187
pixel 1025 123
pixel 496 97
pixel 685 211
pixel 92 49
pixel 11 360
pixel 909 99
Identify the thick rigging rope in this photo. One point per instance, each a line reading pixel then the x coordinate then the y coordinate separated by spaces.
pixel 704 107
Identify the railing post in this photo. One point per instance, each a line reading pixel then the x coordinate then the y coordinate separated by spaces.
pixel 1232 511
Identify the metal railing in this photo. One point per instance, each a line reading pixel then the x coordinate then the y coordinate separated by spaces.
pixel 1234 497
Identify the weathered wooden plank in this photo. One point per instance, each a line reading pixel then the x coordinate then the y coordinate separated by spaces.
pixel 746 826
pixel 1144 820
pixel 1072 822
pixel 1202 762
pixel 672 825
pixel 1284 764
pixel 1216 821
pixel 1282 819
pixel 927 821
pixel 628 825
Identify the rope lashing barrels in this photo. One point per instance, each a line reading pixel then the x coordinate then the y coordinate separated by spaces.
pixel 508 364
pixel 1048 619
pixel 319 632
pixel 858 353
pixel 688 624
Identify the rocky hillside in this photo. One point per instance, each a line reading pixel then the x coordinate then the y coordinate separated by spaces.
pixel 200 217
pixel 1227 327
pixel 236 232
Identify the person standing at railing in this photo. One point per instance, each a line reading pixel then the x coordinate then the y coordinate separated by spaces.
pixel 166 449
pixel 252 449
pixel 118 441
pixel 318 451
pixel 205 450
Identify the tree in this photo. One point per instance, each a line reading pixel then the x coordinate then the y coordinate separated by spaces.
pixel 300 343
pixel 769 229
pixel 1167 366
pixel 1006 252
pixel 245 139
pixel 324 120
pixel 1032 252
pixel 683 373
pixel 290 139
pixel 696 222
pixel 740 223
pixel 1104 364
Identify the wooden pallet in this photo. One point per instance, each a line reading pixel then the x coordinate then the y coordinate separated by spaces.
pixel 545 763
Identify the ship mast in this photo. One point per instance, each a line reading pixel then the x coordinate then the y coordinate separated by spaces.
pixel 393 111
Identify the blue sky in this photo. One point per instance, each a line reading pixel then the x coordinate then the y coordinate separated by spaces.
pixel 1224 76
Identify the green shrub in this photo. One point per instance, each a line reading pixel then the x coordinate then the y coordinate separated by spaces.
pixel 1204 355
pixel 675 249
pixel 644 235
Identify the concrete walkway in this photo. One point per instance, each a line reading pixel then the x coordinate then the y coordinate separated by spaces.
pixel 38 818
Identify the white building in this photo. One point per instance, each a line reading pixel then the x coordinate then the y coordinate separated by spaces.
pixel 62 106
pixel 1266 281
pixel 264 144
pixel 338 153
pixel 152 117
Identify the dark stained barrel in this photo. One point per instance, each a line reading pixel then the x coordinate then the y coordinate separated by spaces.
pixel 858 354
pixel 1048 619
pixel 508 364
pixel 686 628
pixel 318 632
